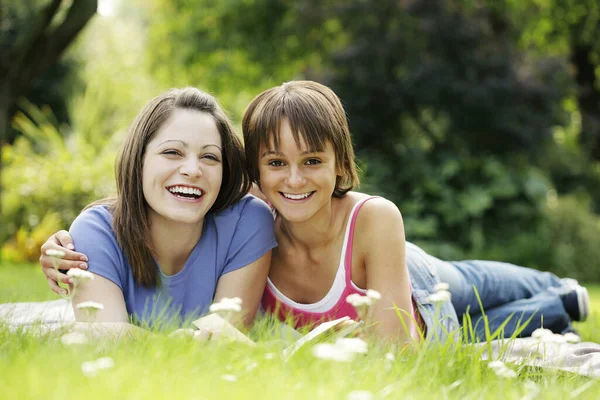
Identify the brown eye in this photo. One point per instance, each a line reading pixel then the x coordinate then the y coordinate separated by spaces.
pixel 276 163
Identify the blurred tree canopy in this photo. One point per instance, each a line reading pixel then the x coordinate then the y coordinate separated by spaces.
pixel 480 119
pixel 33 36
pixel 454 105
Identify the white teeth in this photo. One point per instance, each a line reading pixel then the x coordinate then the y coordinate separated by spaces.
pixel 185 190
pixel 296 196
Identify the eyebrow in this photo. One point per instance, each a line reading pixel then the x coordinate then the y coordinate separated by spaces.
pixel 185 144
pixel 277 153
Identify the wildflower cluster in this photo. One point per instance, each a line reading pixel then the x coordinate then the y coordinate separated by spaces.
pixel 362 304
pixel 91 368
pixel 226 307
pixel 343 350
pixel 547 336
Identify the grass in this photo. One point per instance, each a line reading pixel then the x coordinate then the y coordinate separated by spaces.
pixel 34 367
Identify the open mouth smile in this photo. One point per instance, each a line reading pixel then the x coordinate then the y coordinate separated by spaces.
pixel 186 193
pixel 297 197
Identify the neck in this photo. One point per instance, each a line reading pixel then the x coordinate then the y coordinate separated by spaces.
pixel 320 230
pixel 173 243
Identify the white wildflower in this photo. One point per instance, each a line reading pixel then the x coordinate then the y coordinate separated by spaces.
pixel 373 294
pixel 55 253
pixel 360 395
pixel 390 357
pixel 182 333
pixel 441 296
pixel 105 363
pixel 229 377
pixel 553 338
pixel 80 276
pixel 496 364
pixel 74 338
pixel 441 286
pixel 354 345
pixel 90 306
pixel 571 337
pixel 506 373
pixel 538 333
pixel 502 370
pixel 89 368
pixel 227 304
pixel 357 300
pixel 332 352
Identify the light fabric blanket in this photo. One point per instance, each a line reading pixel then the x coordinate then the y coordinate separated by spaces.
pixel 46 316
pixel 581 358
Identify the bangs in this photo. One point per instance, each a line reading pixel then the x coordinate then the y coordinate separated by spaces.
pixel 314 132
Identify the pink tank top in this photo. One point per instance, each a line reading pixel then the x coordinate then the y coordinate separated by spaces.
pixel 275 302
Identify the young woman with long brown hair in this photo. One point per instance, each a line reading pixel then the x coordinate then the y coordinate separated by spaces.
pixel 182 232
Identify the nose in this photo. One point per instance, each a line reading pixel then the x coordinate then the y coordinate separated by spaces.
pixel 191 167
pixel 295 177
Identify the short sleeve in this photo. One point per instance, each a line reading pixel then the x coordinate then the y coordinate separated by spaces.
pixel 253 237
pixel 93 236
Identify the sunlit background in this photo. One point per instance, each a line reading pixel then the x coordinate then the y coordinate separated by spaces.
pixel 480 119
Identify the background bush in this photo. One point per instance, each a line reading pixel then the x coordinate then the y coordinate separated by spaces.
pixel 480 120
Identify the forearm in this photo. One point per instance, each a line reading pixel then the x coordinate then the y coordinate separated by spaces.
pixel 392 325
pixel 110 330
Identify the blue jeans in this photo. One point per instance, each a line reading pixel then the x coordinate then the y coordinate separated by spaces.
pixel 505 290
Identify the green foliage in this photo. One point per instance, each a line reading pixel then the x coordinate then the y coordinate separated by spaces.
pixel 467 115
pixel 565 242
pixel 49 175
pixel 573 232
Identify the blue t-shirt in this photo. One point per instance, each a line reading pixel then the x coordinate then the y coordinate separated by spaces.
pixel 231 239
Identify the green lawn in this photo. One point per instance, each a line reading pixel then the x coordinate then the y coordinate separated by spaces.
pixel 34 367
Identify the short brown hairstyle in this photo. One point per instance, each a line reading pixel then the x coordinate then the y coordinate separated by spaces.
pixel 130 217
pixel 314 112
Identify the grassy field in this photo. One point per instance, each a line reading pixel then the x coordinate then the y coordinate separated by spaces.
pixel 36 367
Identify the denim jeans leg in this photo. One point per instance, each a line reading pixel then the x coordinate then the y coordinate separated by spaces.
pixel 544 309
pixel 505 289
pixel 498 283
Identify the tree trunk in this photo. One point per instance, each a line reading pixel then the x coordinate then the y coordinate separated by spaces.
pixel 4 124
pixel 589 101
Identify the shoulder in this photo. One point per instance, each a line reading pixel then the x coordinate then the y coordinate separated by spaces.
pixel 378 216
pixel 249 208
pixel 94 218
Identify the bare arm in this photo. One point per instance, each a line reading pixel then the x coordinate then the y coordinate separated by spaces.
pixel 112 320
pixel 381 237
pixel 247 283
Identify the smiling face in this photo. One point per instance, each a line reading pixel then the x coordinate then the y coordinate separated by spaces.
pixel 298 182
pixel 182 168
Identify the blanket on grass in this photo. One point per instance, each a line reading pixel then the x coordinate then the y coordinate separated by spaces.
pixel 580 358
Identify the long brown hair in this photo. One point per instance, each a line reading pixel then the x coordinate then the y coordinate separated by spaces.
pixel 130 217
pixel 315 114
